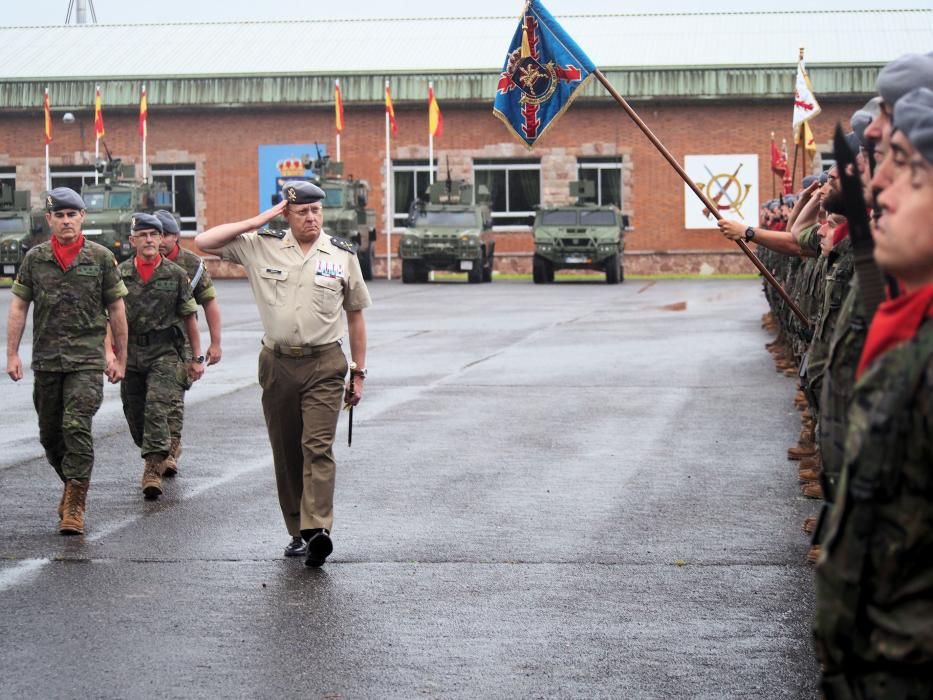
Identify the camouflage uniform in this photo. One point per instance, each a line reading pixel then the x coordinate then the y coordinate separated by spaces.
pixel 155 371
pixel 203 291
pixel 845 349
pixel 69 325
pixel 874 616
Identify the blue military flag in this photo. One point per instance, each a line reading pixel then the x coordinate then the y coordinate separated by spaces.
pixel 542 74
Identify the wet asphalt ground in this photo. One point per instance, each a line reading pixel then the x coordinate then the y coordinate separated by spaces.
pixel 553 491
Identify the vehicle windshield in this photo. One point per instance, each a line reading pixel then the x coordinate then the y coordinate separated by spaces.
pixel 94 201
pixel 559 218
pixel 334 197
pixel 462 219
pixel 121 200
pixel 598 218
pixel 14 225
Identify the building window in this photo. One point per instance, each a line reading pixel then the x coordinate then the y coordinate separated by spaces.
pixel 514 187
pixel 179 179
pixel 72 176
pixel 606 175
pixel 410 180
pixel 8 178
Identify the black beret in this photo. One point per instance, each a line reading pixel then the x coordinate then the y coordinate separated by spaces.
pixel 63 198
pixel 142 222
pixel 169 222
pixel 904 74
pixel 302 192
pixel 913 115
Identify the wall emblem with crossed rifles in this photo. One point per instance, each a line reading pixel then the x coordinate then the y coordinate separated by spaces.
pixel 726 191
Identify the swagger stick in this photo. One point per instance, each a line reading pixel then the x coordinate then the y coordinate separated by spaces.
pixel 766 273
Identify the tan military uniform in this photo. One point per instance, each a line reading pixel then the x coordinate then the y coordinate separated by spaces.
pixel 301 366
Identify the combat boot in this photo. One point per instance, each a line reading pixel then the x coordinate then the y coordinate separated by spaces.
pixel 61 502
pixel 812 489
pixel 809 525
pixel 813 462
pixel 152 477
pixel 72 518
pixel 814 553
pixel 170 465
pixel 808 475
pixel 799 452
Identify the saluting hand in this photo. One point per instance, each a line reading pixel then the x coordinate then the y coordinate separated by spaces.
pixel 268 215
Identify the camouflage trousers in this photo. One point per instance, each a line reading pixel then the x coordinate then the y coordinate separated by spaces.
pixel 176 417
pixel 66 403
pixel 149 395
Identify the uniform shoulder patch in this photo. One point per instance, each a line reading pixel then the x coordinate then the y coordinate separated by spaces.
pixel 271 233
pixel 343 244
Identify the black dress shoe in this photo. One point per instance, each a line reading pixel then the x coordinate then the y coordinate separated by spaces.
pixel 319 547
pixel 296 548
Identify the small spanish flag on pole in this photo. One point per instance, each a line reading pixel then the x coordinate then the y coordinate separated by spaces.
pixel 98 130
pixel 390 109
pixel 338 114
pixel 435 127
pixel 144 126
pixel 48 138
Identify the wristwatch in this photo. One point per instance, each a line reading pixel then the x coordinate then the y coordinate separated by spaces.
pixel 198 360
pixel 749 233
pixel 357 371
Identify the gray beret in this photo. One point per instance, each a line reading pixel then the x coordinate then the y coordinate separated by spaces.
pixel 809 180
pixel 169 222
pixel 904 74
pixel 913 115
pixel 63 198
pixel 301 192
pixel 863 117
pixel 824 177
pixel 141 222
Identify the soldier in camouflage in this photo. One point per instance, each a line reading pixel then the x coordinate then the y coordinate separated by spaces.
pixel 160 312
pixel 205 295
pixel 74 284
pixel 874 619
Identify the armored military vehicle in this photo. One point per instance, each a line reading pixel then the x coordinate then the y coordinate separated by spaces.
pixel 449 232
pixel 112 202
pixel 345 212
pixel 20 228
pixel 582 236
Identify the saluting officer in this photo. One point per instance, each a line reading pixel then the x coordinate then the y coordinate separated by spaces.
pixel 74 284
pixel 160 312
pixel 301 281
pixel 205 294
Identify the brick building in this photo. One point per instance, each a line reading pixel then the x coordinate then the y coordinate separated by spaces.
pixel 225 96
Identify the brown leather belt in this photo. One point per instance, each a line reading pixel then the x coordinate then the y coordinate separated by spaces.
pixel 300 351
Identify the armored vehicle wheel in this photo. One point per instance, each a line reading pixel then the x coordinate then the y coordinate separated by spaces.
pixel 487 270
pixel 409 271
pixel 622 272
pixel 475 276
pixel 612 269
pixel 366 263
pixel 542 271
pixel 423 273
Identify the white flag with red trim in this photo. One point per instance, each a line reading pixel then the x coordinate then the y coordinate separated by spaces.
pixel 805 105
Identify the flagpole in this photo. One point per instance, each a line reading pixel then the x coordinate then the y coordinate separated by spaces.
pixel 773 149
pixel 803 148
pixel 430 139
pixel 96 139
pixel 47 110
pixel 48 173
pixel 339 107
pixel 338 146
pixel 699 193
pixel 145 135
pixel 388 200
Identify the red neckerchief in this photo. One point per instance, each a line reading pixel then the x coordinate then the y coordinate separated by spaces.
pixel 65 253
pixel 173 253
pixel 896 321
pixel 146 269
pixel 839 235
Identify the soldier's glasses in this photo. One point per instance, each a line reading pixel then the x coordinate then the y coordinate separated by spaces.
pixel 147 234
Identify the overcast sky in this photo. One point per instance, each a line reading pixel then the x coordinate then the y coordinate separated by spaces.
pixel 36 12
